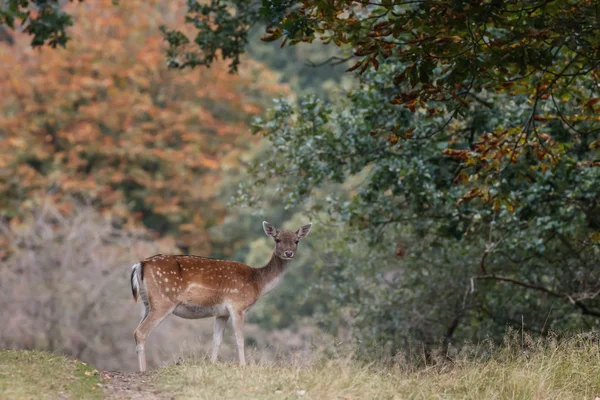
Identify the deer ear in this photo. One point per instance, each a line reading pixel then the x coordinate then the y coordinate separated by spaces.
pixel 303 232
pixel 269 229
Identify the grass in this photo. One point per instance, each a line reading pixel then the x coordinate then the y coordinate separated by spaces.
pixel 40 375
pixel 522 368
pixel 548 369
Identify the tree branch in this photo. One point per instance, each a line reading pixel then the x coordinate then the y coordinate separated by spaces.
pixel 577 303
pixel 333 61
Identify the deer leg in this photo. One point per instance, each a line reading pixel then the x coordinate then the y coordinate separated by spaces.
pixel 220 323
pixel 237 319
pixel 146 326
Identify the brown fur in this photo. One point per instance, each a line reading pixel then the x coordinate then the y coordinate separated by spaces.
pixel 199 280
pixel 199 287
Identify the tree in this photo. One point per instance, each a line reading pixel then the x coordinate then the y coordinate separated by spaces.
pixel 449 54
pixel 489 100
pixel 106 122
pixel 468 157
pixel 408 257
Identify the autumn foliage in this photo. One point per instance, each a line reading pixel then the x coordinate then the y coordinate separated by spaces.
pixel 104 121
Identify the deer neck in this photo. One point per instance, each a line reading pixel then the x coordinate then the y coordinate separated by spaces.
pixel 271 274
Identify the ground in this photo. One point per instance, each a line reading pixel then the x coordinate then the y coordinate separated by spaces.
pixel 521 369
pixel 130 385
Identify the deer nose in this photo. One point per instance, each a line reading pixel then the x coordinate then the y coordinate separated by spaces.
pixel 289 254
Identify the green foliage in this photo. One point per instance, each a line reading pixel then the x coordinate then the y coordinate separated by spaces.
pixel 41 19
pixel 219 27
pixel 447 54
pixel 412 260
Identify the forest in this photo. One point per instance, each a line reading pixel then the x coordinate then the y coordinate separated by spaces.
pixel 447 153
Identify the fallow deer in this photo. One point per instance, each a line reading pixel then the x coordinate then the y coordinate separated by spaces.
pixel 198 287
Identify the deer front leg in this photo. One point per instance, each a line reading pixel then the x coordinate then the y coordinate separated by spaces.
pixel 220 323
pixel 237 319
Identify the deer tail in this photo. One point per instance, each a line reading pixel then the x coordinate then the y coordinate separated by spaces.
pixel 137 274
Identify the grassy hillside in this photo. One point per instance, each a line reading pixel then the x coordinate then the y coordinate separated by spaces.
pixel 521 369
pixel 39 375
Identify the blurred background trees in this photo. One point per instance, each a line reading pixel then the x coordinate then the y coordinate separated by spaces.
pixel 452 178
pixel 106 122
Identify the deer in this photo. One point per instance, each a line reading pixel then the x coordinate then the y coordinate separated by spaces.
pixel 194 287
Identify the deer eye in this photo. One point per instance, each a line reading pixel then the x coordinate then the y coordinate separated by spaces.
pixel 277 240
pixel 297 241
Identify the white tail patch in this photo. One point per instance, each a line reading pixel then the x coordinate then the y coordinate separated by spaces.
pixel 135 280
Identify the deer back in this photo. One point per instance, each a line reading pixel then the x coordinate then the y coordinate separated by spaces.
pixel 200 281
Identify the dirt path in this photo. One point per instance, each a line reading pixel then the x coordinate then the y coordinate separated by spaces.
pixel 130 385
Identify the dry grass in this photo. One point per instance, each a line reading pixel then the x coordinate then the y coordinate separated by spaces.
pixel 521 369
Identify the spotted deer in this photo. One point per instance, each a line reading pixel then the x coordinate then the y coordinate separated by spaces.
pixel 199 287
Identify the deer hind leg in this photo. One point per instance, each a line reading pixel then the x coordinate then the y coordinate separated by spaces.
pixel 152 317
pixel 220 324
pixel 237 319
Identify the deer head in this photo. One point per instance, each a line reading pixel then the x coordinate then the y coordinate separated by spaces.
pixel 286 242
